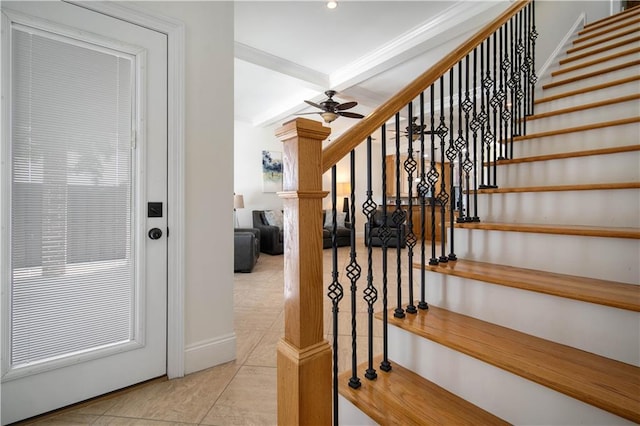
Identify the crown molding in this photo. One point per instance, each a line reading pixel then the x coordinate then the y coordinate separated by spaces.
pixel 448 24
pixel 315 79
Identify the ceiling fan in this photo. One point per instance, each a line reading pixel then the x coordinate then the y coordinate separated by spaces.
pixel 332 109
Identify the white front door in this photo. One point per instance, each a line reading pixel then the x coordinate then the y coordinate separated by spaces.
pixel 84 182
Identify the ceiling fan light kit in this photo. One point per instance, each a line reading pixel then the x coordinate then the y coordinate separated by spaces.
pixel 331 109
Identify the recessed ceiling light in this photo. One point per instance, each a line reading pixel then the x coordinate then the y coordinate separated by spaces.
pixel 332 4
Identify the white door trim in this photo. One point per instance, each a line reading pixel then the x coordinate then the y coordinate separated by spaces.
pixel 175 32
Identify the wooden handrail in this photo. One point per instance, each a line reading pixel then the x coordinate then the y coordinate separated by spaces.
pixel 349 140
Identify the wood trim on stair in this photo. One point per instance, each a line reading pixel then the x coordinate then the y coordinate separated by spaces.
pixel 593 88
pixel 578 46
pixel 602 40
pixel 586 127
pixel 584 231
pixel 558 188
pixel 561 155
pixel 611 385
pixel 592 74
pixel 599 50
pixel 625 14
pixel 583 107
pixel 608 30
pixel 402 397
pixel 595 62
pixel 601 292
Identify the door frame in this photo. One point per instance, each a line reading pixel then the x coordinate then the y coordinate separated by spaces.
pixel 175 31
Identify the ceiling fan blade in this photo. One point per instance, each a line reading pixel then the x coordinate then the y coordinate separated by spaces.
pixel 346 105
pixel 307 113
pixel 313 104
pixel 350 114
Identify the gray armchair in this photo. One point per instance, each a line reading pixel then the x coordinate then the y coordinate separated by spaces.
pixel 270 236
pixel 246 249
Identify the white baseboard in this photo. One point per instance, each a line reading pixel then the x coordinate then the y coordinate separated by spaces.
pixel 209 353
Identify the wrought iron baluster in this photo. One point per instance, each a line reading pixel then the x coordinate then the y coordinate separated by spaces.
pixel 495 103
pixel 370 293
pixel 398 218
pixel 353 273
pixel 505 113
pixel 533 35
pixel 432 176
pixel 443 196
pixel 410 168
pixel 423 192
pixel 475 125
pixel 519 72
pixel 467 165
pixel 512 86
pixel 460 147
pixel 452 155
pixel 488 137
pixel 335 292
pixel 525 69
pixel 383 233
pixel 482 118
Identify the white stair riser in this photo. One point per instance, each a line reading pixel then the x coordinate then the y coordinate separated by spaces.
pixel 616 208
pixel 606 137
pixel 614 259
pixel 593 115
pixel 510 397
pixel 588 97
pixel 609 168
pixel 591 81
pixel 586 326
pixel 596 67
pixel 350 415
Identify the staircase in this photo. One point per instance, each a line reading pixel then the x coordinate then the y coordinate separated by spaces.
pixel 538 322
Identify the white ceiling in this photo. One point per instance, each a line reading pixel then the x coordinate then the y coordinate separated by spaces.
pixel 289 51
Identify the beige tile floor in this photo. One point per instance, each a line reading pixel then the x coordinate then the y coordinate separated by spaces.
pixel 241 392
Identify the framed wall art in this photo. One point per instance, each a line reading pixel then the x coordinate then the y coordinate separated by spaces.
pixel 271 171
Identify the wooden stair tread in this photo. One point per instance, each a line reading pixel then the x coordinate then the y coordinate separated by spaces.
pixel 610 28
pixel 598 50
pixel 604 59
pixel 574 154
pixel 592 126
pixel 601 292
pixel 592 74
pixel 577 230
pixel 588 89
pixel 402 397
pixel 611 385
pixel 583 107
pixel 579 46
pixel 625 14
pixel 556 188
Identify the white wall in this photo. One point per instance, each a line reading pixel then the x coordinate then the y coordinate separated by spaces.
pixel 249 143
pixel 549 13
pixel 209 335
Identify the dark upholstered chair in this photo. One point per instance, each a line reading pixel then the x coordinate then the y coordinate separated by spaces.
pixel 270 236
pixel 396 234
pixel 246 249
pixel 343 233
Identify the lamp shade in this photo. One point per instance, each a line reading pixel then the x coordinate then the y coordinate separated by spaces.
pixel 343 188
pixel 238 201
